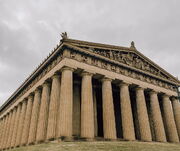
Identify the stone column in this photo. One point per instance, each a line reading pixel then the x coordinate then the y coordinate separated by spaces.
pixel 76 108
pixel 53 107
pixel 21 123
pixel 169 120
pixel 108 110
pixel 26 127
pixel 1 129
pixel 11 128
pixel 126 113
pixel 4 130
pixel 143 119
pixel 66 103
pixel 34 117
pixel 16 125
pixel 95 113
pixel 176 111
pixel 8 130
pixel 87 111
pixel 43 113
pixel 157 118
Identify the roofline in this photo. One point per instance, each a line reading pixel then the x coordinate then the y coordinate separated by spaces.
pixel 56 50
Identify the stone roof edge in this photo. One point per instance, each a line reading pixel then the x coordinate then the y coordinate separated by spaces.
pixel 39 67
pixel 107 46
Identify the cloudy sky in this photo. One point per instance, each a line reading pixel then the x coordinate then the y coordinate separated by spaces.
pixel 30 29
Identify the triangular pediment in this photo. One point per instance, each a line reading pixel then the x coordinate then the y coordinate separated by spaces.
pixel 126 56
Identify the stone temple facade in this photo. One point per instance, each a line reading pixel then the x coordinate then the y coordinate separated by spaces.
pixel 92 91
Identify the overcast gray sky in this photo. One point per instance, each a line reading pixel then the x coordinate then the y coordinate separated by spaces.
pixel 30 29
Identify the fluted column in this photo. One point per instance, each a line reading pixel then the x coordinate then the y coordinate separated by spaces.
pixel 21 123
pixel 16 125
pixel 143 119
pixel 8 130
pixel 11 128
pixel 25 133
pixel 43 113
pixel 108 110
pixel 176 111
pixel 126 113
pixel 3 131
pixel 95 113
pixel 169 120
pixel 157 118
pixel 53 107
pixel 34 117
pixel 66 103
pixel 76 108
pixel 87 111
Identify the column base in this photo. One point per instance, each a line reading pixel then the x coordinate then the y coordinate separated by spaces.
pixel 87 139
pixel 67 138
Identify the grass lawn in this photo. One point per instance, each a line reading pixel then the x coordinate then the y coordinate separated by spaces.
pixel 101 146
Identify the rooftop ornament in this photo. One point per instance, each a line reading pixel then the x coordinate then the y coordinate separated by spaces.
pixel 133 45
pixel 64 36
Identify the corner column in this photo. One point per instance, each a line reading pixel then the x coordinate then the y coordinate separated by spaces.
pixel 169 120
pixel 66 103
pixel 176 111
pixel 53 107
pixel 87 111
pixel 126 112
pixel 157 118
pixel 108 110
pixel 143 119
pixel 43 113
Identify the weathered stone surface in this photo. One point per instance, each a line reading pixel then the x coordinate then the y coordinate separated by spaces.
pixel 126 113
pixel 171 131
pixel 143 119
pixel 108 110
pixel 53 107
pixel 43 113
pixel 176 111
pixel 21 123
pixel 87 111
pixel 76 109
pixel 16 125
pixel 34 117
pixel 66 103
pixel 157 118
pixel 27 121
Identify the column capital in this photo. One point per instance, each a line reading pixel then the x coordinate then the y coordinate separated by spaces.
pixel 55 75
pixel 124 83
pixel 106 79
pixel 45 83
pixel 37 90
pixel 174 98
pixel 139 88
pixel 165 96
pixel 153 92
pixel 67 68
pixel 86 73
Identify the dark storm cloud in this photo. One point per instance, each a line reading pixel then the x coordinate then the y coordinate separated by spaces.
pixel 30 29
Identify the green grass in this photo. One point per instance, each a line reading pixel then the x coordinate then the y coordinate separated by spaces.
pixel 101 146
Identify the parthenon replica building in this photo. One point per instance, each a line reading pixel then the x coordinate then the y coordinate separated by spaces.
pixel 92 91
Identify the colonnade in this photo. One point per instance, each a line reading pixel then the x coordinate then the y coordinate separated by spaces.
pixel 47 113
